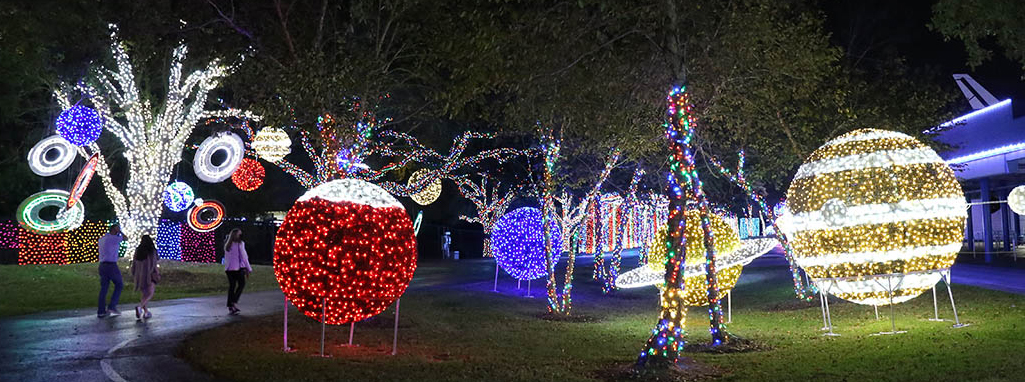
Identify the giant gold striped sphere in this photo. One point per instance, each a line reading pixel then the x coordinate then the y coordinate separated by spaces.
pixel 877 216
pixel 726 241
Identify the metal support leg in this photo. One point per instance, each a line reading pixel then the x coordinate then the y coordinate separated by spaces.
pixel 395 336
pixel 284 338
pixel 323 325
pixel 729 307
pixel 935 306
pixel 518 284
pixel 893 318
pixel 528 290
pixel 496 277
pixel 822 305
pixel 352 331
pixel 876 307
pixel 957 321
pixel 829 317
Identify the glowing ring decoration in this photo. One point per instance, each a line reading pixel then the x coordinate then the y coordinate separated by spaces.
pixel 41 165
pixel 416 223
pixel 429 193
pixel 272 144
pixel 178 196
pixel 80 125
pixel 199 223
pixel 1016 200
pixel 345 251
pixel 68 219
pixel 202 163
pixel 249 175
pixel 517 242
pixel 82 181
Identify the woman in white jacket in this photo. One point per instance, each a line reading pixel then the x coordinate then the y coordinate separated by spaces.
pixel 236 266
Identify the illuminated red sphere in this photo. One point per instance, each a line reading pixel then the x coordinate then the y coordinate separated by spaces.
pixel 249 175
pixel 348 244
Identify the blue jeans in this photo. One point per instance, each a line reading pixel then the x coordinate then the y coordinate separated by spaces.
pixel 109 272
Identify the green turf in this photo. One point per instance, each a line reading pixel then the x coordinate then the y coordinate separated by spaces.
pixel 36 288
pixel 464 332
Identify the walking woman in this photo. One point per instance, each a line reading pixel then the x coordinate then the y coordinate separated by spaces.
pixel 236 266
pixel 145 274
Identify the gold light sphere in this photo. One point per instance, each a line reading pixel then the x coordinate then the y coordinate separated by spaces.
pixel 430 193
pixel 272 144
pixel 876 217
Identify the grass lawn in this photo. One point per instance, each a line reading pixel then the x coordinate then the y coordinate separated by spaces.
pixel 454 328
pixel 36 288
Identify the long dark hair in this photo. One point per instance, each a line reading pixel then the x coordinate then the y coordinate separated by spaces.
pixel 235 236
pixel 145 249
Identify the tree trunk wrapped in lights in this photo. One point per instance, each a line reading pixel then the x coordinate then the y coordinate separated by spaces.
pixel 666 341
pixel 489 205
pixel 153 137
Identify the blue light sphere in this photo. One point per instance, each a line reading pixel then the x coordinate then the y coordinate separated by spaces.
pixel 80 125
pixel 178 196
pixel 517 242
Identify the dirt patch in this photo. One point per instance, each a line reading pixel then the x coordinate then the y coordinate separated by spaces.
pixel 687 369
pixel 735 345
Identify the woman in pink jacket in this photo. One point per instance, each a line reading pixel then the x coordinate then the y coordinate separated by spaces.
pixel 145 274
pixel 236 266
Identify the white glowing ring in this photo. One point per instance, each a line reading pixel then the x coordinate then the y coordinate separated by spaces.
pixel 232 146
pixel 68 219
pixel 41 165
pixel 201 224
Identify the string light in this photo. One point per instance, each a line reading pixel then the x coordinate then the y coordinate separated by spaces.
pixel 8 234
pixel 877 215
pixel 29 210
pixel 80 243
pixel 197 246
pixel 40 249
pixel 169 240
pixel 229 144
pixel 80 125
pixel 518 243
pixel 272 144
pixel 490 203
pixel 51 156
pixel 346 249
pixel 152 135
pixel 82 181
pixel 178 196
pixel 206 215
pixel 249 175
pixel 430 193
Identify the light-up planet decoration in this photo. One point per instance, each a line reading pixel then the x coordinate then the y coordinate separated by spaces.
pixel 876 217
pixel 51 156
pixel 272 144
pixel 429 193
pixel 732 254
pixel 178 196
pixel 347 247
pixel 30 217
pixel 249 175
pixel 217 157
pixel 206 215
pixel 82 181
pixel 1016 200
pixel 517 243
pixel 79 125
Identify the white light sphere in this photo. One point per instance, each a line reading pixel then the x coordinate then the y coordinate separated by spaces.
pixel 272 144
pixel 1016 200
pixel 430 193
pixel 876 217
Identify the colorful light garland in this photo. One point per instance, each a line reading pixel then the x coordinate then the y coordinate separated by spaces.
pixel 229 144
pixel 169 240
pixel 80 244
pixel 877 216
pixel 9 235
pixel 206 215
pixel 249 175
pixel 41 249
pixel 518 243
pixel 29 210
pixel 80 125
pixel 178 196
pixel 490 206
pixel 51 156
pixel 345 251
pixel 272 144
pixel 197 246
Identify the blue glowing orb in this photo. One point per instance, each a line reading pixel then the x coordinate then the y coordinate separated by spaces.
pixel 517 242
pixel 178 196
pixel 79 125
